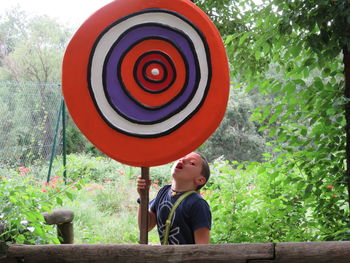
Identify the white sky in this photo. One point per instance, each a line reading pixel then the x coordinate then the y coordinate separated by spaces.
pixel 68 12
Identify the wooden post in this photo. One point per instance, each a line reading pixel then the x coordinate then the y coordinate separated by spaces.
pixel 65 233
pixel 144 207
pixel 63 219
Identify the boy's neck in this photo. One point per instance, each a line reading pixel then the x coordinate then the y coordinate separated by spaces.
pixel 176 187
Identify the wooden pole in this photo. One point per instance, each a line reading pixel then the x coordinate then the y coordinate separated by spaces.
pixel 144 207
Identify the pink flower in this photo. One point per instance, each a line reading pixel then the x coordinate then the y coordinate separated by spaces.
pixel 43 190
pixel 22 173
pixel 330 186
pixel 334 195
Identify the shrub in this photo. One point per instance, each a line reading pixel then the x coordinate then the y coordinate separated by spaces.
pixel 23 200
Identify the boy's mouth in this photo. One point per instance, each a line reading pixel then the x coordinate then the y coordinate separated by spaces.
pixel 179 166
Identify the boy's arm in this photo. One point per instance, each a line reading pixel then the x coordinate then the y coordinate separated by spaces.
pixel 202 235
pixel 151 219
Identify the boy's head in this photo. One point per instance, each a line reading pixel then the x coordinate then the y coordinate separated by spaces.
pixel 192 169
pixel 205 172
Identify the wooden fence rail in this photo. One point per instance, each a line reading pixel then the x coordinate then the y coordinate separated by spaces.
pixel 303 252
pixel 309 252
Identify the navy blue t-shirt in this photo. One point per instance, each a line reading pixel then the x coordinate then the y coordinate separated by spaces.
pixel 192 213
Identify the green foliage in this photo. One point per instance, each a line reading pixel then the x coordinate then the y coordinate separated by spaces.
pixel 31 51
pixel 75 141
pixel 237 138
pixel 292 51
pixel 256 203
pixel 105 211
pixel 36 51
pixel 22 204
pixel 225 14
pixel 28 121
pixel 250 202
pixel 12 29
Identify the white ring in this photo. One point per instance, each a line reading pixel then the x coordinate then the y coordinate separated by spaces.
pixel 97 62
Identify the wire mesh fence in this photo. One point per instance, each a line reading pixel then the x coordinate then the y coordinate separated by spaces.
pixel 28 117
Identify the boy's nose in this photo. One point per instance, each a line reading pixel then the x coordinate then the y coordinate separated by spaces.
pixel 182 160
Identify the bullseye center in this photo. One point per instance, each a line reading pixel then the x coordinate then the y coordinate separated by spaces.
pixel 155 72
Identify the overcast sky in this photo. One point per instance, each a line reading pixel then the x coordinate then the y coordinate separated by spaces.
pixel 68 12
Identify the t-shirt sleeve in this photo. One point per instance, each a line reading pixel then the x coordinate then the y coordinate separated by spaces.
pixel 154 203
pixel 200 215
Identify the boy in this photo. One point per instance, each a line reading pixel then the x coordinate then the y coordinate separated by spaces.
pixel 191 223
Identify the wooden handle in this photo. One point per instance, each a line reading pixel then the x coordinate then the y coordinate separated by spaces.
pixel 144 207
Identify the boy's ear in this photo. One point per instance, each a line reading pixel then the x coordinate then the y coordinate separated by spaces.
pixel 201 180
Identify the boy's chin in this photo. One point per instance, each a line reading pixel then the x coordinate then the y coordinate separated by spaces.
pixel 176 174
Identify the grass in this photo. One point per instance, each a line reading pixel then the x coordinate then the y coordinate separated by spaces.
pixel 105 210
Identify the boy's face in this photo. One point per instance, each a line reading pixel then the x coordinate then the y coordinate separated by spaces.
pixel 188 169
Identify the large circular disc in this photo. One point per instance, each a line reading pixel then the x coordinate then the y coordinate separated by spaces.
pixel 146 81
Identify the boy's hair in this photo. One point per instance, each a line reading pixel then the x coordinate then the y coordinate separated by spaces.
pixel 205 172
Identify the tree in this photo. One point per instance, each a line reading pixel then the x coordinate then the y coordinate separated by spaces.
pixel 32 64
pixel 305 44
pixel 237 138
pixel 12 26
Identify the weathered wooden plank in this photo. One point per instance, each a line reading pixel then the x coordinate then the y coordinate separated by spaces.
pixel 233 253
pixel 313 252
pixel 8 260
pixel 261 261
pixel 59 217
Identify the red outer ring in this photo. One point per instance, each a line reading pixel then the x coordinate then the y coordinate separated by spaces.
pixel 134 151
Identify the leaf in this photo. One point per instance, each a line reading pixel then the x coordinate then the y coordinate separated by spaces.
pixel 318 83
pixel 243 38
pixel 59 201
pixel 308 62
pixel 69 195
pixel 308 189
pixel 303 131
pixel 274 117
pixel 228 39
pixel 290 89
pixel 257 54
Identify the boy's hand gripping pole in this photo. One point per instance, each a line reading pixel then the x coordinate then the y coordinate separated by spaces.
pixel 144 207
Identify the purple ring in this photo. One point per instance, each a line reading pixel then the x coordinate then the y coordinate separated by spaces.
pixel 115 93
